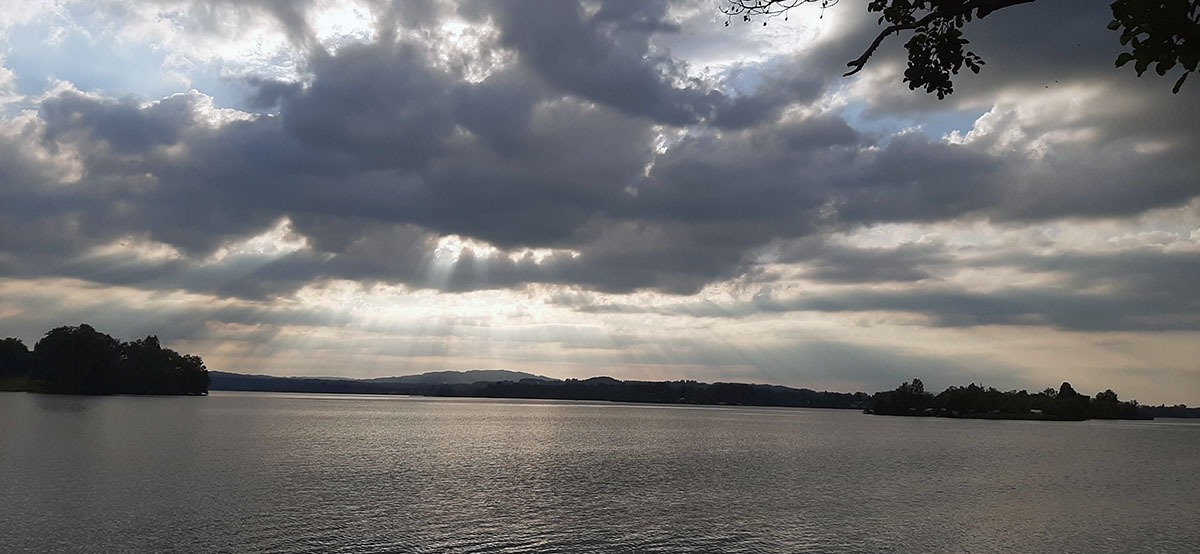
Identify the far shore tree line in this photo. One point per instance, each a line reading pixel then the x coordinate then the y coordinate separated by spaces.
pixel 1065 404
pixel 81 360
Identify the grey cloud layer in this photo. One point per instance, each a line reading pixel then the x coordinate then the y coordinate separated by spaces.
pixel 1139 289
pixel 382 149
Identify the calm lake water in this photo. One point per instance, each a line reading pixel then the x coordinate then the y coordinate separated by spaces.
pixel 250 472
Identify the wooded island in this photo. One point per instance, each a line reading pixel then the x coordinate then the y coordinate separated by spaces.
pixel 974 401
pixel 82 360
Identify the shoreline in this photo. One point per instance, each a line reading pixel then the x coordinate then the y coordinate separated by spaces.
pixel 1008 416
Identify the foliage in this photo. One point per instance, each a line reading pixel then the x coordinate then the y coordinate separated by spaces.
pixel 1164 33
pixel 15 358
pixel 936 49
pixel 148 368
pixel 1162 410
pixel 82 360
pixel 76 360
pixel 976 401
pixel 907 398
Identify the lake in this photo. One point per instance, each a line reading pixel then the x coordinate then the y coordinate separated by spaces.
pixel 269 472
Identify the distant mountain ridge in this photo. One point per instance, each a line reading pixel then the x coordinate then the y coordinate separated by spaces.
pixel 517 384
pixel 451 377
pixel 440 383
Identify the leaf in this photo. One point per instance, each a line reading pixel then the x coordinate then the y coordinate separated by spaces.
pixel 1124 58
pixel 1141 65
pixel 1179 83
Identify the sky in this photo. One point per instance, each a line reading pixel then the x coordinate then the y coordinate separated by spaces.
pixel 632 189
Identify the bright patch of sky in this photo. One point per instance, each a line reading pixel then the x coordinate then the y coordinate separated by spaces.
pixel 938 125
pixel 91 63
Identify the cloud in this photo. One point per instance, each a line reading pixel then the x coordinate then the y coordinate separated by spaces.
pixel 379 138
pixel 1138 289
pixel 633 159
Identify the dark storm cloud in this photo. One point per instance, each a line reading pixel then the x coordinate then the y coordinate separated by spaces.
pixel 704 204
pixel 796 79
pixel 907 263
pixel 916 179
pixel 268 93
pixel 1098 180
pixel 505 131
pixel 380 149
pixel 605 55
pixel 795 177
pixel 123 124
pixel 1046 306
pixel 775 176
pixel 1138 290
pixel 1142 273
pixel 382 105
pixel 1051 307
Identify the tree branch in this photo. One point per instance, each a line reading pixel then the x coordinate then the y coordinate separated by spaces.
pixel 984 8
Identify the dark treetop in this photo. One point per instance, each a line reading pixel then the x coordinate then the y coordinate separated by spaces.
pixel 82 360
pixel 974 401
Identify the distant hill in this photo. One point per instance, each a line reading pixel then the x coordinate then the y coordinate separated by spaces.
pixel 675 392
pixel 222 380
pixel 439 383
pixel 462 377
pixel 516 384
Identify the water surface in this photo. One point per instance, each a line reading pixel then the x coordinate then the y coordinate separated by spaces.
pixel 267 472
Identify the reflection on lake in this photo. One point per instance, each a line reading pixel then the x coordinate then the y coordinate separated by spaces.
pixel 250 472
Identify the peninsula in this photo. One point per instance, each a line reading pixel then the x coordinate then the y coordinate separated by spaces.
pixel 81 360
pixel 976 402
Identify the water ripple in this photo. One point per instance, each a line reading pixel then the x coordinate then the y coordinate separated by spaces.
pixel 262 474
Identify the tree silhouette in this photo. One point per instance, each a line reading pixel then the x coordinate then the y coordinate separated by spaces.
pixel 148 368
pixel 1165 33
pixel 15 358
pixel 77 360
pixel 977 402
pixel 82 360
pixel 908 398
